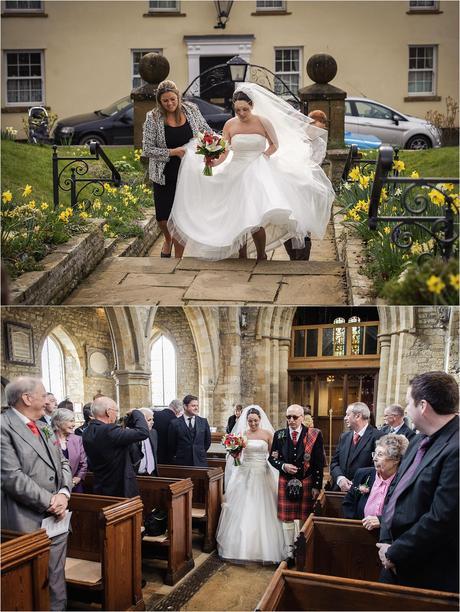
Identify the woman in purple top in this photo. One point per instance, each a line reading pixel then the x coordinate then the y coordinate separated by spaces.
pixel 63 424
pixel 367 494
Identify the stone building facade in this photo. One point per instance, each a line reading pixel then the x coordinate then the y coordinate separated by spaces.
pixel 225 355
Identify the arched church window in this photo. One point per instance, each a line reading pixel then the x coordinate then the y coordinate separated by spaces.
pixel 356 336
pixel 339 337
pixel 163 365
pixel 53 371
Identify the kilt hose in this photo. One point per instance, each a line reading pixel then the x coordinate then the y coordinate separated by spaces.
pixel 291 510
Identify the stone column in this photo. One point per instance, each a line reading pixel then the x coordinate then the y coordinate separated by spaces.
pixel 322 68
pixel 385 344
pixel 133 389
pixel 284 345
pixel 153 69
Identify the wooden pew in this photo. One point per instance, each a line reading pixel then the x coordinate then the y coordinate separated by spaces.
pixel 24 568
pixel 338 547
pixel 174 496
pixel 292 590
pixel 103 562
pixel 207 496
pixel 218 462
pixel 329 503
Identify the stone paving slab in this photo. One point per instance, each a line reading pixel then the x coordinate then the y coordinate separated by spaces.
pixel 180 278
pixel 193 263
pixel 324 290
pixel 230 286
pixel 119 295
pixel 310 268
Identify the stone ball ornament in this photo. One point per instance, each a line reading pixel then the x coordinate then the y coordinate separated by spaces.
pixel 153 68
pixel 321 68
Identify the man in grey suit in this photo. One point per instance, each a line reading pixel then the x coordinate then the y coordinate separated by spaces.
pixel 189 436
pixel 36 477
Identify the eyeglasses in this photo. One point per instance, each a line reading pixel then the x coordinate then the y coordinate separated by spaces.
pixel 291 416
pixel 379 454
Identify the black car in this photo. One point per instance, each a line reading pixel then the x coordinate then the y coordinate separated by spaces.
pixel 114 125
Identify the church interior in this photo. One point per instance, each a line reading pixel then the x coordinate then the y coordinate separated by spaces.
pixel 322 358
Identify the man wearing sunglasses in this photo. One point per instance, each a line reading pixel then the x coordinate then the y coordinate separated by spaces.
pixel 298 454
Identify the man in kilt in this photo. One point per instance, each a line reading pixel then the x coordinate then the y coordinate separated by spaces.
pixel 297 453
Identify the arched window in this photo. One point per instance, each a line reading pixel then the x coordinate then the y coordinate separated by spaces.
pixel 356 336
pixel 53 372
pixel 163 360
pixel 339 337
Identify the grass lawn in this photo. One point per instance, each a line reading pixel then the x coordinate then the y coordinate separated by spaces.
pixel 429 163
pixel 31 164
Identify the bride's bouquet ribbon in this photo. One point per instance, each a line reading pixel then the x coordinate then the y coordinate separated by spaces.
pixel 234 444
pixel 211 146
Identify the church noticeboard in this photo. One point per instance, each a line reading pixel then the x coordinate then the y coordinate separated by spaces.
pixel 19 343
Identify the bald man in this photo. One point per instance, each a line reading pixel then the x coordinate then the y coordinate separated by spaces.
pixel 298 454
pixel 107 448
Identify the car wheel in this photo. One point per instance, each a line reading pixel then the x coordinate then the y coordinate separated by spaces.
pixel 87 138
pixel 419 142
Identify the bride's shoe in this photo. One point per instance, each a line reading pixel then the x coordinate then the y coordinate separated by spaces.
pixel 163 254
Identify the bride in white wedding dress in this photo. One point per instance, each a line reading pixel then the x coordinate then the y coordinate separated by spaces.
pixel 249 529
pixel 270 184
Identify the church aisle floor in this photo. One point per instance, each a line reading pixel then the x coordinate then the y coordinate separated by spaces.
pixel 171 282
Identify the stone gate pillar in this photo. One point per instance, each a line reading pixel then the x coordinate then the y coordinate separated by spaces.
pixel 153 69
pixel 322 68
pixel 133 390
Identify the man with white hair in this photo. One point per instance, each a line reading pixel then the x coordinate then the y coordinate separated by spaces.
pixel 355 447
pixel 393 417
pixel 148 447
pixel 36 477
pixel 107 448
pixel 50 408
pixel 161 425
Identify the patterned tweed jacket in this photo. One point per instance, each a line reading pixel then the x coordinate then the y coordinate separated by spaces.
pixel 154 140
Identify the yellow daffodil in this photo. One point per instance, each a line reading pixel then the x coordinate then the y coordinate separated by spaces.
pixel 354 174
pixel 399 165
pixel 7 196
pixel 63 217
pixel 364 181
pixel 415 175
pixel 454 280
pixel 447 187
pixel 387 229
pixel 32 203
pixel 436 197
pixel 105 227
pixel 416 248
pixel 44 205
pixel 384 195
pixel 435 284
pixel 84 215
pixel 27 191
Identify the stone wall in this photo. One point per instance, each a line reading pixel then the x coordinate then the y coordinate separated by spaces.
pixel 173 323
pixel 75 329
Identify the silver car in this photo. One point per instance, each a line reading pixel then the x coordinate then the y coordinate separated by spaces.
pixel 368 117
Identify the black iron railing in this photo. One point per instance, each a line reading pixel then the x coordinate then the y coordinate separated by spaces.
pixel 415 202
pixel 77 182
pixel 355 159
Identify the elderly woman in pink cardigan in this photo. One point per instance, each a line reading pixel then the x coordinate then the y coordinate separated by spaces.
pixel 63 424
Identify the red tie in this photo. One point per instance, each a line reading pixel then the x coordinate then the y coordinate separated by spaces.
pixel 355 438
pixel 33 428
pixel 294 437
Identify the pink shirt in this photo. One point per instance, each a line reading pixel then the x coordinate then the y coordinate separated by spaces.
pixel 374 504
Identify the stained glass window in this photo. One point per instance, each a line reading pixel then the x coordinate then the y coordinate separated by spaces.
pixel 339 337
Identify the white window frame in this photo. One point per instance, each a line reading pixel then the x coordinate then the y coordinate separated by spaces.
pixel 262 9
pixel 49 387
pixel 156 339
pixel 431 7
pixel 159 9
pixel 434 70
pixel 6 78
pixel 138 76
pixel 282 73
pixel 22 9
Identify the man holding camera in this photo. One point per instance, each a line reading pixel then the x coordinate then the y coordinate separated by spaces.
pixel 107 447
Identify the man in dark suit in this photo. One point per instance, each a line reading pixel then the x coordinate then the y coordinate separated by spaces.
pixel 189 436
pixel 393 417
pixel 161 421
pixel 148 448
pixel 232 419
pixel 419 535
pixel 50 409
pixel 107 448
pixel 36 477
pixel 297 453
pixel 355 447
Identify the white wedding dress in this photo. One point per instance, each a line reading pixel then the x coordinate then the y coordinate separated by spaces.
pixel 249 529
pixel 288 194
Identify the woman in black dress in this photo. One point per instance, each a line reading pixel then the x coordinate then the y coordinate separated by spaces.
pixel 166 130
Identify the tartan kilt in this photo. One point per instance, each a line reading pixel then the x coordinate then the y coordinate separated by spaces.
pixel 291 510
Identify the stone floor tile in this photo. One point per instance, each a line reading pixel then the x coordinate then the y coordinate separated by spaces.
pixel 303 268
pixel 312 290
pixel 228 286
pixel 179 278
pixel 240 265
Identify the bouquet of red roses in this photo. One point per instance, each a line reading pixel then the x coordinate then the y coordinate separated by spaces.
pixel 234 445
pixel 211 146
